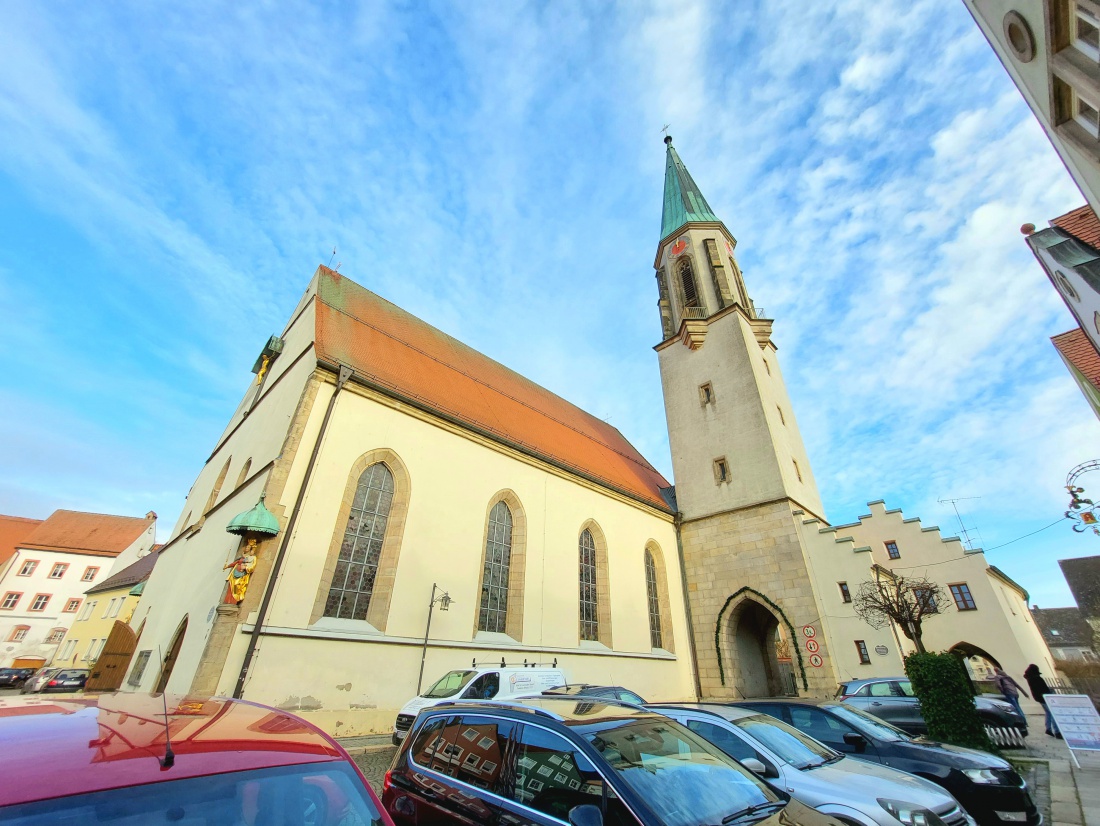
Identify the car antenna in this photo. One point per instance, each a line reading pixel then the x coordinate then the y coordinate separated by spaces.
pixel 169 758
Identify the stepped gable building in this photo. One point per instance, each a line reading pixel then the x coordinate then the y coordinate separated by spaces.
pixel 376 463
pixel 42 583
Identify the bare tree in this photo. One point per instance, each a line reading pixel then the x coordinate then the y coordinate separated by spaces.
pixel 904 601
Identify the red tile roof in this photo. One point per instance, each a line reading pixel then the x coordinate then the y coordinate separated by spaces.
pixel 13 530
pixel 408 358
pixel 130 575
pixel 100 534
pixel 1078 351
pixel 1082 224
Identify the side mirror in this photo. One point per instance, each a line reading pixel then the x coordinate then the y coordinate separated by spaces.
pixel 586 815
pixel 754 765
pixel 855 740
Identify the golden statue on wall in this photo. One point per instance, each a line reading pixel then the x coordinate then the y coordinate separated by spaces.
pixel 240 571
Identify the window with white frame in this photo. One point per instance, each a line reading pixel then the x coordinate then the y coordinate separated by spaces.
pixel 88 608
pixel 72 605
pixel 108 609
pixel 19 633
pixel 66 650
pixel 28 567
pixel 40 602
pixel 55 636
pixel 1086 29
pixel 89 573
pixel 59 570
pixel 117 606
pixel 11 599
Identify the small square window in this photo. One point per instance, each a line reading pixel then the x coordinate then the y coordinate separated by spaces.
pixel 40 602
pixel 59 570
pixel 845 594
pixel 19 633
pixel 892 550
pixel 28 567
pixel 11 599
pixel 72 606
pixel 964 601
pixel 721 471
pixel 864 656
pixel 55 636
pixel 89 574
pixel 706 394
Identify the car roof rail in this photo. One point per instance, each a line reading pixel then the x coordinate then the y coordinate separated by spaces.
pixel 475 664
pixel 506 704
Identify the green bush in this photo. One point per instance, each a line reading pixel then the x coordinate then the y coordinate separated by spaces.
pixel 946 700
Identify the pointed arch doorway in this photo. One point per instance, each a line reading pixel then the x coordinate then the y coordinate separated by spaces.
pixel 761 652
pixel 170 658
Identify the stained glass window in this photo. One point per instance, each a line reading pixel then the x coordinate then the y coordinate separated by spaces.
pixel 590 617
pixel 654 605
pixel 356 567
pixel 493 614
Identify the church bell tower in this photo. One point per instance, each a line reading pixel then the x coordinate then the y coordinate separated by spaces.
pixel 743 479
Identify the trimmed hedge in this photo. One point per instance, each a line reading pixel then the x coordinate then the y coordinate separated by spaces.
pixel 946 700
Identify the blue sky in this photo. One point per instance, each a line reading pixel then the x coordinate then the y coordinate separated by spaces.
pixel 172 174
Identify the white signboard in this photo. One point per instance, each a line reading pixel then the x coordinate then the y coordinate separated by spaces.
pixel 1077 720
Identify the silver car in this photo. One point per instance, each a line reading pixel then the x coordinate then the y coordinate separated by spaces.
pixel 854 791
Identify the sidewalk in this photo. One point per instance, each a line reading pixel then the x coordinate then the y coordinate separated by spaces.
pixel 1074 792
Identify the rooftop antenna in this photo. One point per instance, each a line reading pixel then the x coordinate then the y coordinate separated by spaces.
pixel 962 528
pixel 169 758
pixel 333 257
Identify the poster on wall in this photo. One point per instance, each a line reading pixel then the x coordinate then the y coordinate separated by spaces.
pixel 1077 721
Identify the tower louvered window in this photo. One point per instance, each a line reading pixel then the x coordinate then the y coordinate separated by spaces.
pixel 687 280
pixel 590 616
pixel 357 565
pixel 654 603
pixel 493 614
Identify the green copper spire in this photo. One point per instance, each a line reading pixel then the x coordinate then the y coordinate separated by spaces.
pixel 683 200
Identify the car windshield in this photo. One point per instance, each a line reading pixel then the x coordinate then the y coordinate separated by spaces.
pixel 450 683
pixel 318 794
pixel 789 744
pixel 684 779
pixel 866 724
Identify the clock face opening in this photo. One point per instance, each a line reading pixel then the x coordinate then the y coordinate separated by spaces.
pixel 679 246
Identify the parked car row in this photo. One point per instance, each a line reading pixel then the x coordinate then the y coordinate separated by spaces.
pixel 893 700
pixel 15 677
pixel 49 680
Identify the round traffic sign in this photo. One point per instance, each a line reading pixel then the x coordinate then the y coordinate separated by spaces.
pixel 816 661
pixel 809 631
pixel 813 646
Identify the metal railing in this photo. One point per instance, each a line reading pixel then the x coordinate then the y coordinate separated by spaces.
pixel 695 312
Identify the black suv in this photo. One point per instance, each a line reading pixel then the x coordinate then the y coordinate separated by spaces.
pixel 990 790
pixel 550 761
pixel 610 692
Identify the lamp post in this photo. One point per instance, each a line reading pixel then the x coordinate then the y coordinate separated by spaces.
pixel 444 600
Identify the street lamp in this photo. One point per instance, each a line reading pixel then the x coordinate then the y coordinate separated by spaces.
pixel 444 600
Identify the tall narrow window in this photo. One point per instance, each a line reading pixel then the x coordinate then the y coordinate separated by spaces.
pixel 845 594
pixel 356 567
pixel 244 472
pixel 964 601
pixel 892 550
pixel 493 615
pixel 861 649
pixel 212 500
pixel 590 616
pixel 654 603
pixel 687 281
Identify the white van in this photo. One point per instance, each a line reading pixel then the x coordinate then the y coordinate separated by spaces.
pixel 479 682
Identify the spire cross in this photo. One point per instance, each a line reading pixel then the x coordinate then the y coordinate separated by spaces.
pixel 665 129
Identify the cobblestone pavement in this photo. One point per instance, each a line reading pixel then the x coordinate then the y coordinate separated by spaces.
pixel 373 763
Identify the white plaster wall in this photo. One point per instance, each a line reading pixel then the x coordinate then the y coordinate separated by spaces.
pixel 453 478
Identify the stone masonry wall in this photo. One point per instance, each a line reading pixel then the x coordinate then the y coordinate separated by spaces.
pixel 757 547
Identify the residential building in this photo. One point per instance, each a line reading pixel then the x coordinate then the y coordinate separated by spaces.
pixel 1051 50
pixel 107 610
pixel 1069 252
pixel 1066 633
pixel 376 464
pixel 42 583
pixel 1083 362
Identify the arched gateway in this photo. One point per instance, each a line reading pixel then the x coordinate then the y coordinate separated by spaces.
pixel 755 651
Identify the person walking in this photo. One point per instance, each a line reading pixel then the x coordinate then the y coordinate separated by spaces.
pixel 1010 689
pixel 1039 692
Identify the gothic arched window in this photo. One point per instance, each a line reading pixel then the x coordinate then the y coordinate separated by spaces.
pixel 357 565
pixel 590 614
pixel 652 601
pixel 493 614
pixel 687 281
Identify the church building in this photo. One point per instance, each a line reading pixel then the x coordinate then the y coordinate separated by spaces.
pixel 387 504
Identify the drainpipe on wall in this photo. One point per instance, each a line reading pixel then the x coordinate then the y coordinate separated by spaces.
pixel 341 379
pixel 687 609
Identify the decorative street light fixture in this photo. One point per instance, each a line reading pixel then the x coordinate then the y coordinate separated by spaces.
pixel 1081 510
pixel 444 600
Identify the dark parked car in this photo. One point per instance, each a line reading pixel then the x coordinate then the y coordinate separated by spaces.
pixel 15 677
pixel 66 679
pixel 546 761
pixel 892 699
pixel 986 786
pixel 104 760
pixel 609 692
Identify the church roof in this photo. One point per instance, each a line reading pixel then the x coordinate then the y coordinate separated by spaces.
pixel 100 534
pixel 407 358
pixel 1076 348
pixel 683 200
